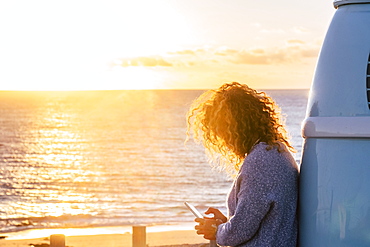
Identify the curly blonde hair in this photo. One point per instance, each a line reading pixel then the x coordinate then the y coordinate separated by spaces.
pixel 229 121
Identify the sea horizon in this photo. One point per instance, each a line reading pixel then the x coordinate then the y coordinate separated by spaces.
pixel 109 158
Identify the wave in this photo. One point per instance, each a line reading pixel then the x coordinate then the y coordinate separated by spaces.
pixel 108 158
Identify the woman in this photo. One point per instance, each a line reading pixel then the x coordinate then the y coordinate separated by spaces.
pixel 243 133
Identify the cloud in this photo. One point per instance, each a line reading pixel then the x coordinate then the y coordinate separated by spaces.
pixel 295 42
pixel 300 30
pixel 294 50
pixel 272 31
pixel 313 52
pixel 258 51
pixel 225 51
pixel 143 61
pixel 251 57
pixel 269 56
pixel 183 52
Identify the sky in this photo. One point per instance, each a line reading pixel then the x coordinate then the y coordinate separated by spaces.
pixel 160 44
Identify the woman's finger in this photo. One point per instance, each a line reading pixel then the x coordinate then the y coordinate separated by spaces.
pixel 211 210
pixel 198 227
pixel 199 220
pixel 217 214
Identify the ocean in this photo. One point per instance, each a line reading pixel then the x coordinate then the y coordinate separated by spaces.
pixel 109 158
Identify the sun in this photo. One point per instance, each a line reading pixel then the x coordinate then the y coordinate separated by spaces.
pixel 72 54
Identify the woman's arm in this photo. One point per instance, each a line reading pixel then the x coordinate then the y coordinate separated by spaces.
pixel 253 204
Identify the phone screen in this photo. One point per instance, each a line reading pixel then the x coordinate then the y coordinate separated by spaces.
pixel 194 210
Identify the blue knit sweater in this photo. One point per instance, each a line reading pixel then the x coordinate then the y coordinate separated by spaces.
pixel 262 203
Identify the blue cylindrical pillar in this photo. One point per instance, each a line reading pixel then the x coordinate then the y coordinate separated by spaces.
pixel 335 169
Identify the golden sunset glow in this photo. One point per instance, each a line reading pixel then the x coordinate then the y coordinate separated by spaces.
pixel 86 159
pixel 93 111
pixel 159 44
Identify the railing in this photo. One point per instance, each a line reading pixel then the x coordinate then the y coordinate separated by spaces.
pixel 138 238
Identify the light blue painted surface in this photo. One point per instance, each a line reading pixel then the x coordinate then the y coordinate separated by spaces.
pixel 335 168
pixel 335 187
pixel 339 87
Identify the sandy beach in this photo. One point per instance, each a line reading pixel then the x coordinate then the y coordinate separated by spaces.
pixel 178 238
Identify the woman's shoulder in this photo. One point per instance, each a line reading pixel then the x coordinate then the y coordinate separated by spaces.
pixel 262 151
pixel 266 156
pixel 269 165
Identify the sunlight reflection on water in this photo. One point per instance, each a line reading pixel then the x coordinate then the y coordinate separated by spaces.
pixel 108 158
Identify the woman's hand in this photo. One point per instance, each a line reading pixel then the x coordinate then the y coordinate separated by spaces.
pixel 217 214
pixel 208 226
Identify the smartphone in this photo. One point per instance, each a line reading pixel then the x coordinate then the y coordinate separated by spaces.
pixel 193 210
